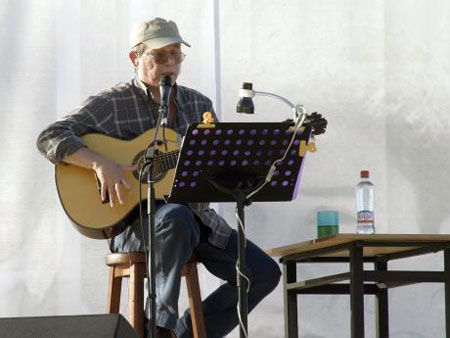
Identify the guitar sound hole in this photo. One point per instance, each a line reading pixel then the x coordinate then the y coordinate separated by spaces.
pixel 158 172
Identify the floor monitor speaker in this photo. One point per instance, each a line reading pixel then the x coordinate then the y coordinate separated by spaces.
pixel 85 326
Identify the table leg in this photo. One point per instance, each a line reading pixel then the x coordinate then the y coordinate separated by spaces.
pixel 356 291
pixel 290 301
pixel 382 308
pixel 447 291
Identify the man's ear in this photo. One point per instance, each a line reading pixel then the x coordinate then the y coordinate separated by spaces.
pixel 134 59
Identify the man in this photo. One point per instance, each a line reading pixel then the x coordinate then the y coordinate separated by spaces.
pixel 126 111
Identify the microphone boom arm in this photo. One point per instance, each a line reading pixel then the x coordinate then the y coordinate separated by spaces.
pixel 296 109
pixel 247 91
pixel 289 103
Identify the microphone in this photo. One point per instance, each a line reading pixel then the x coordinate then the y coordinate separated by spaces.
pixel 165 86
pixel 245 104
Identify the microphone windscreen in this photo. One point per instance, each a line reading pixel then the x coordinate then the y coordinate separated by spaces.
pixel 165 80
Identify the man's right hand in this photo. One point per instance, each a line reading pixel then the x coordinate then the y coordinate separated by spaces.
pixel 111 175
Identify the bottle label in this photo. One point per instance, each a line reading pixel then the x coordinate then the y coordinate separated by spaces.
pixel 365 218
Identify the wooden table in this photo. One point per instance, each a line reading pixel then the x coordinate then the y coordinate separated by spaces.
pixel 355 250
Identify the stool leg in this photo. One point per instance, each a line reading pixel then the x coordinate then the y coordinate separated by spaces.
pixel 136 298
pixel 115 284
pixel 195 300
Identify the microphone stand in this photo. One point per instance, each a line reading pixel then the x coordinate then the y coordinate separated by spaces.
pixel 151 206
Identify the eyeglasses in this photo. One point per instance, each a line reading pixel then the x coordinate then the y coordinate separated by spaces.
pixel 161 57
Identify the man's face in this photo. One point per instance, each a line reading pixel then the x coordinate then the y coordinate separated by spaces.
pixel 156 62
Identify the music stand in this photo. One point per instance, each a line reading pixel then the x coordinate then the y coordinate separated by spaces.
pixel 225 162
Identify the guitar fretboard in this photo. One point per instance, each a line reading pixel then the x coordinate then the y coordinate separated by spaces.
pixel 166 161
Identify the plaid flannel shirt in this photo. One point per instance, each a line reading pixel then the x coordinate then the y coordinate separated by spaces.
pixel 125 111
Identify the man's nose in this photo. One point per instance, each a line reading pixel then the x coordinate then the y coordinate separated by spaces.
pixel 171 59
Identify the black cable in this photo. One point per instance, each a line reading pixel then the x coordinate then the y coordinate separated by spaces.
pixel 141 222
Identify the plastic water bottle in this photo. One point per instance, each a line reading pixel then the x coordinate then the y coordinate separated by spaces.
pixel 365 205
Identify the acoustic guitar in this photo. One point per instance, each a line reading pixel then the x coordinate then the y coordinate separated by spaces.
pixel 79 191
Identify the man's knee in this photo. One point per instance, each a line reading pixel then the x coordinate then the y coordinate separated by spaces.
pixel 177 219
pixel 274 274
pixel 269 276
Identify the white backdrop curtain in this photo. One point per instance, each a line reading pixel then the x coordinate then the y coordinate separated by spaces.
pixel 379 71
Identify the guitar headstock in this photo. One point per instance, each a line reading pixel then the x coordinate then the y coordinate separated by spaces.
pixel 317 123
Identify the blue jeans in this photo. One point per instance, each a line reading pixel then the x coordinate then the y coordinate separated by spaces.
pixel 179 234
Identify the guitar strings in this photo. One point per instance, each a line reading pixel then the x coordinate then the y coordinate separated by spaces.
pixel 162 162
pixel 167 156
pixel 172 155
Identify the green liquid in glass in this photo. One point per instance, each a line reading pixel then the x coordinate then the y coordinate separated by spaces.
pixel 327 230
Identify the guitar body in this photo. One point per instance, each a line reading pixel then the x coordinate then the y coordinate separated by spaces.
pixel 78 188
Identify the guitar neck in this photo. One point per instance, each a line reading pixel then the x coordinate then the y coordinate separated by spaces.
pixel 166 161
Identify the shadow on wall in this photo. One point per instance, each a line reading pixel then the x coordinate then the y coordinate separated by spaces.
pixel 418 152
pixel 418 123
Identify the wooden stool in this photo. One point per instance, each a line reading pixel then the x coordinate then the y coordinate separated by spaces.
pixel 133 265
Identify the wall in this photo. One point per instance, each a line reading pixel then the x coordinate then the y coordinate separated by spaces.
pixel 378 71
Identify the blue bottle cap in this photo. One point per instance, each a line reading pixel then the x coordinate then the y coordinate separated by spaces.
pixel 325 218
